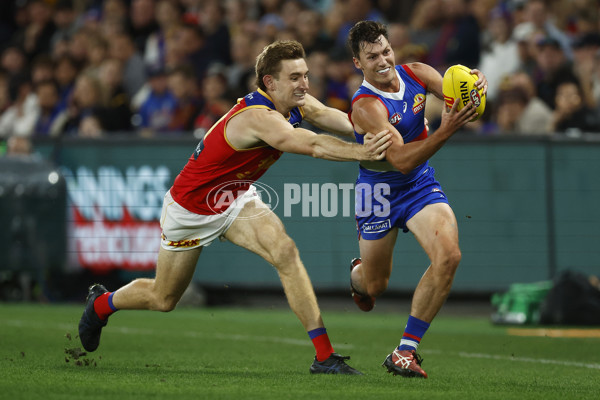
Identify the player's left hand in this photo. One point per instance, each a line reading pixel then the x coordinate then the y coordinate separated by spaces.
pixel 482 82
pixel 376 144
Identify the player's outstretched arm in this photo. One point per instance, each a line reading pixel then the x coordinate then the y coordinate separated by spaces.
pixel 253 127
pixel 327 118
pixel 370 114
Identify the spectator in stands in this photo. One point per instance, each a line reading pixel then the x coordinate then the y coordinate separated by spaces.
pixel 510 106
pixel 356 10
pixel 52 118
pixel 242 66
pixel 338 70
pixel 142 23
pixel 317 64
pixel 535 117
pixel 114 19
pixel 586 49
pixel 168 16
pixel 84 107
pixel 215 100
pixel 290 13
pixel 90 127
pixel 538 23
pixel 216 32
pixel 35 38
pixel 334 19
pixel 192 45
pixel 115 10
pixel 13 60
pixel 65 73
pixel 19 119
pixel 571 115
pixel 97 52
pixel 182 84
pixel 425 23
pixel 236 17
pixel 400 41
pixel 134 71
pixel 77 46
pixel 5 101
pixel 310 32
pixel 459 39
pixel 501 58
pixel 65 21
pixel 116 115
pixel 552 68
pixel 156 110
pixel 42 69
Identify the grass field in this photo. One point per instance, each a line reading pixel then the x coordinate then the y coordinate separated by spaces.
pixel 225 353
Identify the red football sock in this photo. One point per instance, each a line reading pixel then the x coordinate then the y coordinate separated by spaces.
pixel 103 305
pixel 321 342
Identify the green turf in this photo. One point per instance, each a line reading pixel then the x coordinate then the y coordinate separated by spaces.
pixel 265 354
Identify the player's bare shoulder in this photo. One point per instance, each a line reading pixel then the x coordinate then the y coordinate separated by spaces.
pixel 366 111
pixel 428 75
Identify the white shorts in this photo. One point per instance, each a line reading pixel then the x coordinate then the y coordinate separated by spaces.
pixel 185 230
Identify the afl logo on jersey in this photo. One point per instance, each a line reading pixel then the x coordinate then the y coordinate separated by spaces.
pixel 419 103
pixel 394 119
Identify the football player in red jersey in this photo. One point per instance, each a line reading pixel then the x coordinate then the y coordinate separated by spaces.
pixel 233 154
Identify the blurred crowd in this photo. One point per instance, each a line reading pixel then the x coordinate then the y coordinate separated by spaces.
pixel 152 68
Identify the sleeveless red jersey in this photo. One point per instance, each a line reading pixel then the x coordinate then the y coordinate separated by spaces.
pixel 217 173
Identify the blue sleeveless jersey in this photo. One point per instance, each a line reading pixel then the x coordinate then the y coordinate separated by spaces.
pixel 405 112
pixel 387 200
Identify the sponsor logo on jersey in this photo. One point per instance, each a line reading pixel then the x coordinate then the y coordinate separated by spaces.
pixel 394 119
pixel 379 226
pixel 419 103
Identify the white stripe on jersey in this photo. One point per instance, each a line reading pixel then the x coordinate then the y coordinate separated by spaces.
pixel 399 95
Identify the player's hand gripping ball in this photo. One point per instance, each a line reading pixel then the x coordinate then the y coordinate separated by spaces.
pixel 459 83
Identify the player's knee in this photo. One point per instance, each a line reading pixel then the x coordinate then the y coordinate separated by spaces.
pixel 377 287
pixel 449 262
pixel 453 258
pixel 284 252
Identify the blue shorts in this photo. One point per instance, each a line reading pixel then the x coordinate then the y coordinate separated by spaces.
pixel 381 206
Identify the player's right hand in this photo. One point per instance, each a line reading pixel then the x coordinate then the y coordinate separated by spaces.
pixel 376 144
pixel 453 119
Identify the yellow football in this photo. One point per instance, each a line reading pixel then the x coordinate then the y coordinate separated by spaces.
pixel 459 83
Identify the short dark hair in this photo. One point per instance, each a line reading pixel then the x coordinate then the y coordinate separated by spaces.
pixel 365 32
pixel 269 60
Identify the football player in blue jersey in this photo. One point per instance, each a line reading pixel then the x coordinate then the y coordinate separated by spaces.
pixel 401 191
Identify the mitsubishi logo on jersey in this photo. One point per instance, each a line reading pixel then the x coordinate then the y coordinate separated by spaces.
pixel 419 103
pixel 394 119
